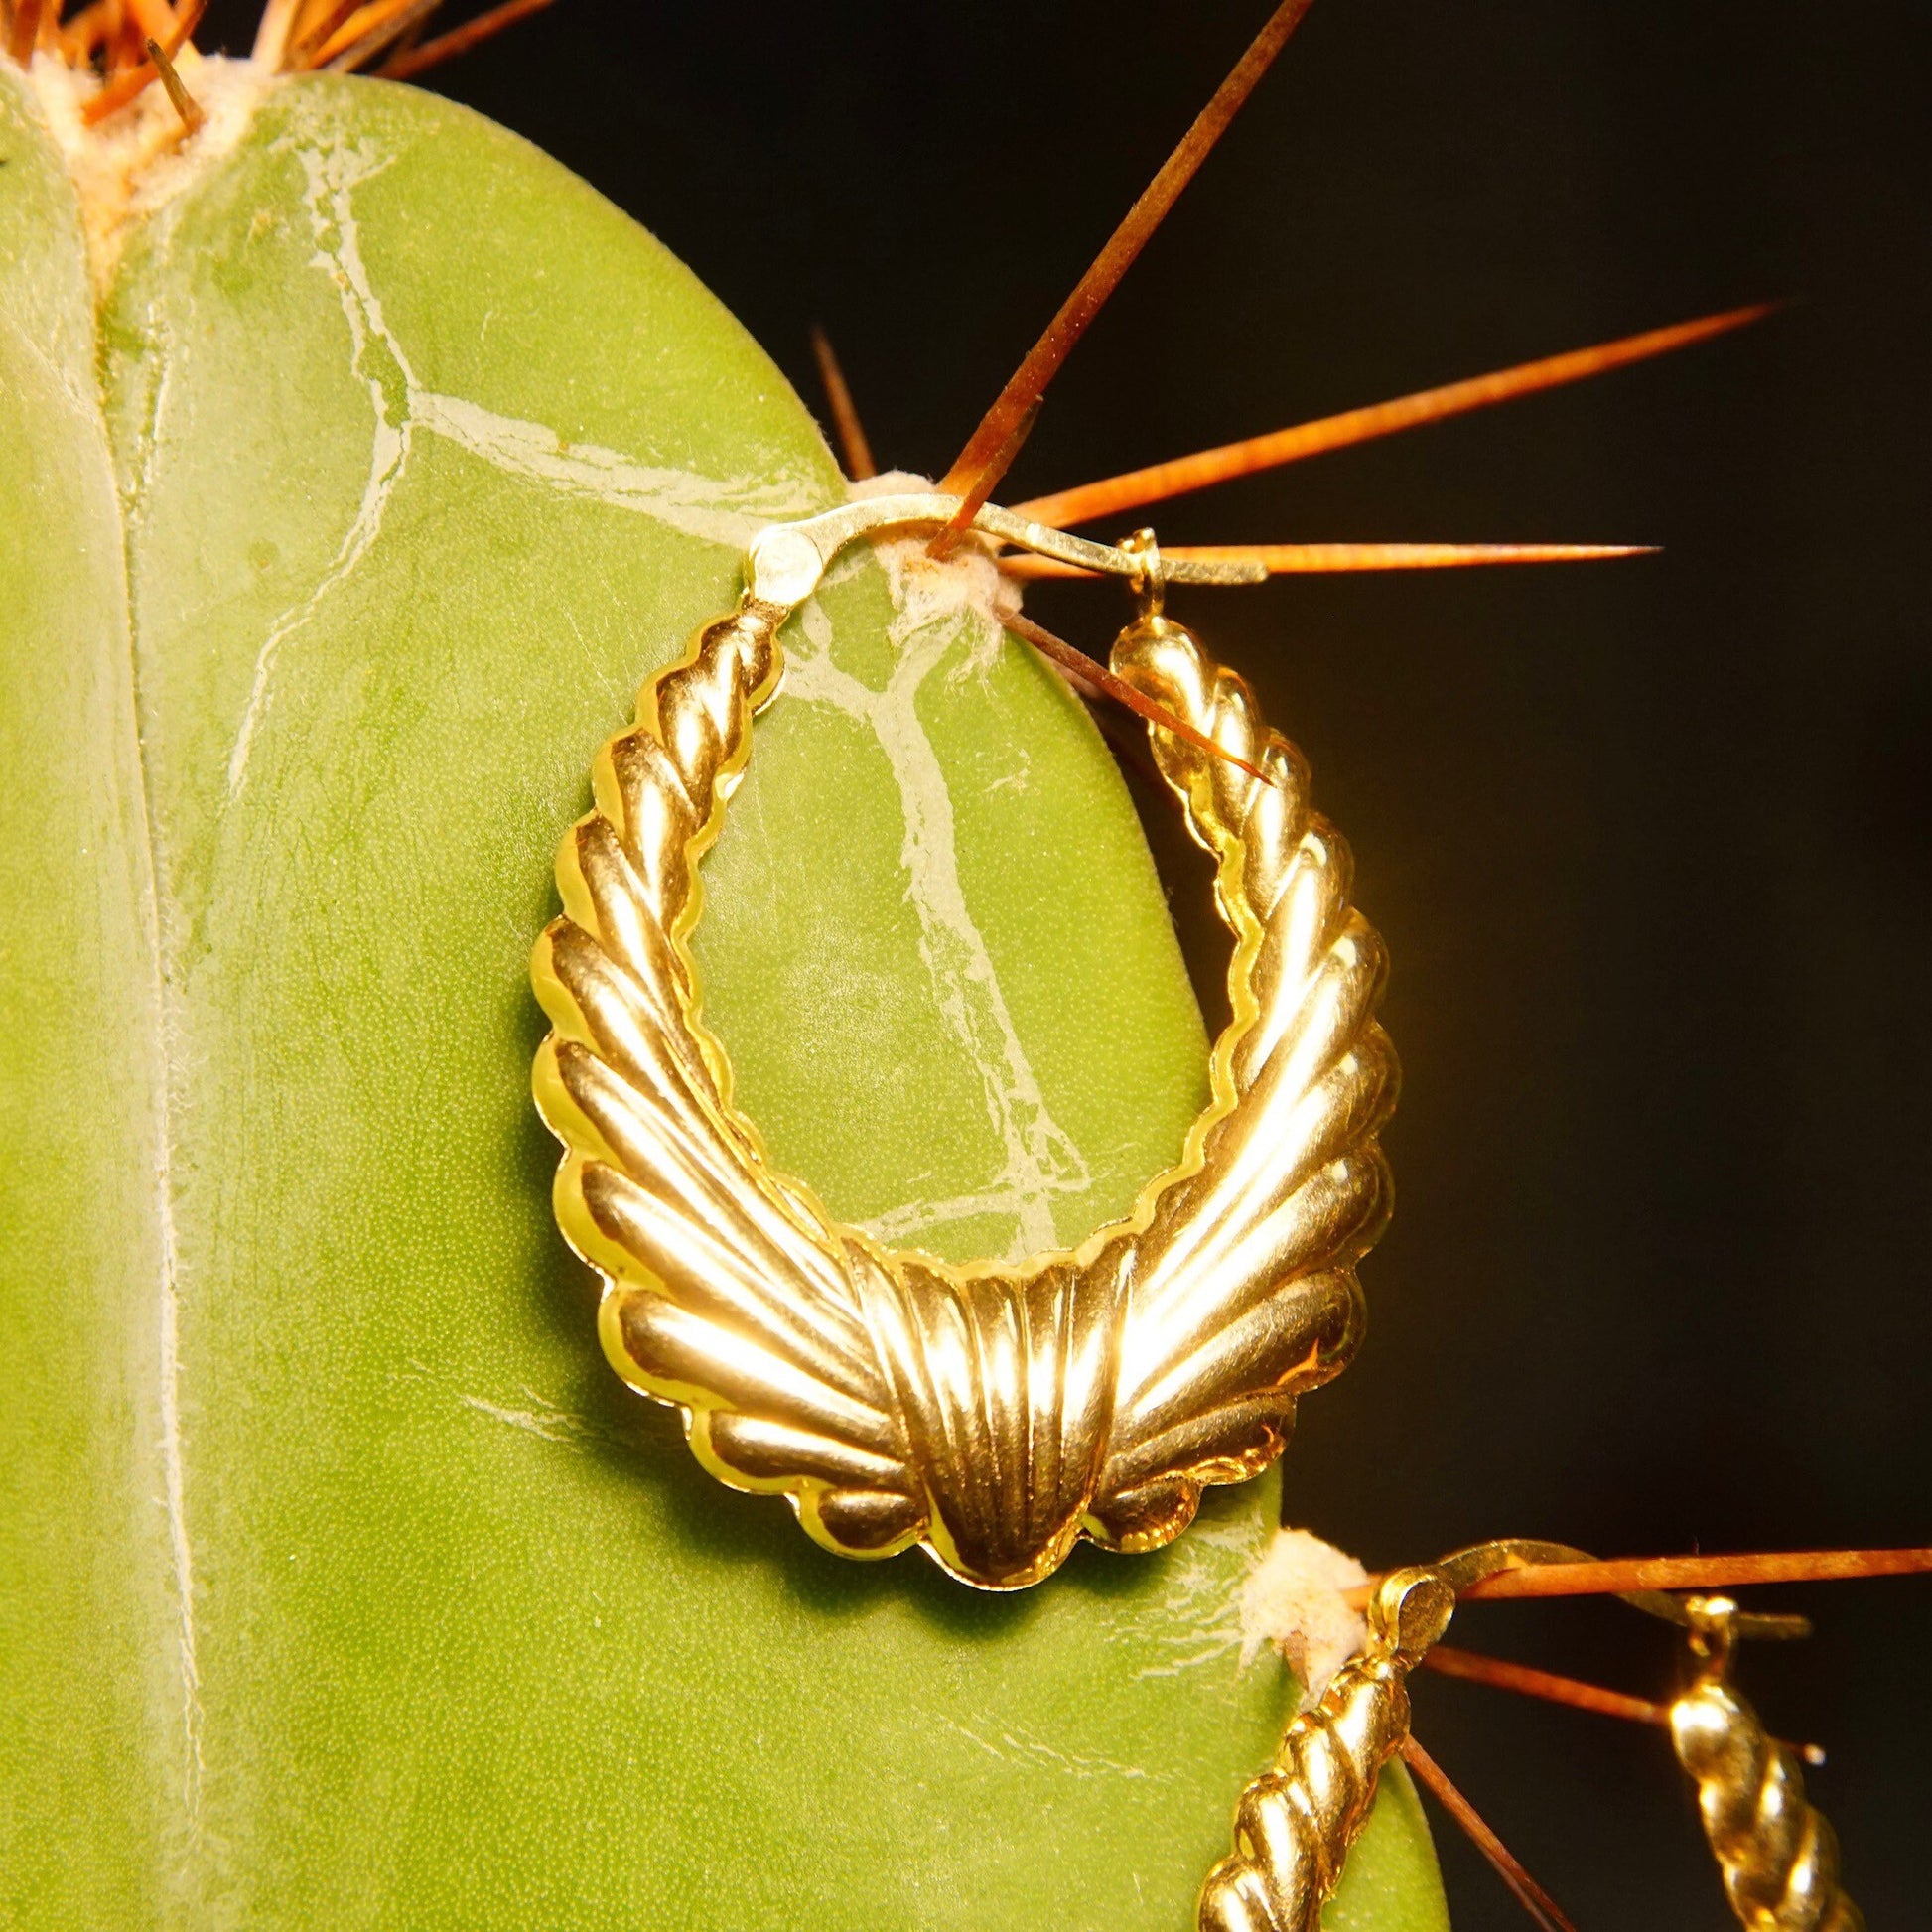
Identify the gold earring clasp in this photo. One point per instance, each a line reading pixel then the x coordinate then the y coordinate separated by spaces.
pixel 785 561
pixel 1149 582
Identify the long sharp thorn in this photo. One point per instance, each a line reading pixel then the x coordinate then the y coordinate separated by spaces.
pixel 1081 665
pixel 845 415
pixel 1500 1674
pixel 302 49
pixel 1623 1576
pixel 1544 1910
pixel 969 507
pixel 369 31
pixel 154 18
pixel 1176 476
pixel 981 463
pixel 1700 1572
pixel 26 30
pixel 1289 559
pixel 279 20
pixel 345 26
pixel 413 61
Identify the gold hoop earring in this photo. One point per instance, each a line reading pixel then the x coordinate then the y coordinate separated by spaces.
pixel 1294 1825
pixel 1778 1854
pixel 994 1414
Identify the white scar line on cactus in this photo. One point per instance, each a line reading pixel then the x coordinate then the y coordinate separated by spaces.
pixel 524 1409
pixel 327 198
pixel 174 1458
pixel 727 511
pixel 1039 1160
pixel 173 1500
pixel 1201 1619
pixel 936 607
pixel 174 1478
pixel 167 1419
pixel 546 1421
pixel 1015 1749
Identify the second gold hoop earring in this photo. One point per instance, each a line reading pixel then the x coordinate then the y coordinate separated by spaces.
pixel 1777 1852
pixel 994 1414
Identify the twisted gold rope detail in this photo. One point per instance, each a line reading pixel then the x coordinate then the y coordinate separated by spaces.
pixel 1295 1822
pixel 1778 1854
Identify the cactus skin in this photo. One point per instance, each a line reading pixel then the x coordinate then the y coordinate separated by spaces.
pixel 473 1644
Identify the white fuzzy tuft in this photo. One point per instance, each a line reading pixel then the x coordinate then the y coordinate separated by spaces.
pixel 140 157
pixel 1293 1600
pixel 925 591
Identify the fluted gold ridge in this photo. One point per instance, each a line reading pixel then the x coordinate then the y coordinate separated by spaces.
pixel 992 1412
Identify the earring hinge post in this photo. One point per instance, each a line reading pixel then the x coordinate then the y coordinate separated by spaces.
pixel 786 560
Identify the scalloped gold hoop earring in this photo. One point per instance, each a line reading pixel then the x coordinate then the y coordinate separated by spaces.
pixel 992 1412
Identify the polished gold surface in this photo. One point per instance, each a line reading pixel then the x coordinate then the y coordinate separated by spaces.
pixel 994 1414
pixel 1294 1822
pixel 1778 1854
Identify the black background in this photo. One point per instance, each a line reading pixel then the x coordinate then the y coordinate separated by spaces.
pixel 1648 840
